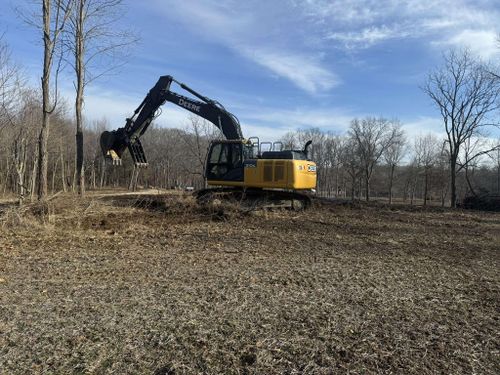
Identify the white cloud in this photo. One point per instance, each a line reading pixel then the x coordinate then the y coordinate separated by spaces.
pixel 358 24
pixel 483 43
pixel 304 73
pixel 423 125
pixel 367 37
pixel 293 39
pixel 343 11
pixel 250 34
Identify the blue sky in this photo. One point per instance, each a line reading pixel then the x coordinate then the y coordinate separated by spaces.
pixel 283 64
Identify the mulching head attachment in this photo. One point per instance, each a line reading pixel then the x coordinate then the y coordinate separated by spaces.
pixel 114 144
pixel 110 147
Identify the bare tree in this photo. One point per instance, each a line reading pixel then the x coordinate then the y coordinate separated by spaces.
pixel 10 85
pixel 197 139
pixel 496 73
pixel 334 148
pixel 372 137
pixel 317 151
pixel 289 141
pixel 54 16
pixel 443 173
pixel 496 162
pixel 473 151
pixel 24 138
pixel 426 149
pixel 466 94
pixel 94 42
pixel 351 160
pixel 19 153
pixel 166 147
pixel 393 156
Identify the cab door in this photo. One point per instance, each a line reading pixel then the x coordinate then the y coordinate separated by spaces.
pixel 225 162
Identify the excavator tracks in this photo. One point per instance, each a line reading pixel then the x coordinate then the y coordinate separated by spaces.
pixel 255 198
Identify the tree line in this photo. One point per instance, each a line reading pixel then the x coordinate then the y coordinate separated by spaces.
pixel 376 159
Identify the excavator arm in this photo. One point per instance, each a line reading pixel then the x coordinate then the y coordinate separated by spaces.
pixel 114 143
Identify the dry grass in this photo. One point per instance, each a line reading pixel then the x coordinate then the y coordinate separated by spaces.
pixel 160 285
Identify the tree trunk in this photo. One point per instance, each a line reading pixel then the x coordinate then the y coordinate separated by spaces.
pixel 80 175
pixel 69 182
pixel 353 188
pixel 7 172
pixel 74 183
pixel 453 181
pixel 63 174
pixel 80 77
pixel 336 181
pixel 43 156
pixel 391 178
pixel 413 190
pixel 93 178
pixel 20 164
pixel 426 185
pixel 498 180
pixel 34 174
pixel 1 182
pixel 54 173
pixel 469 183
pixel 406 190
pixel 103 173
pixel 344 185
pixel 367 188
pixel 44 131
pixel 443 197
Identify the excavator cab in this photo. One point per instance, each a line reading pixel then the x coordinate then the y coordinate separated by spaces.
pixel 225 160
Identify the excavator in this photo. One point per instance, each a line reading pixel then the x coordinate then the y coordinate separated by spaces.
pixel 245 169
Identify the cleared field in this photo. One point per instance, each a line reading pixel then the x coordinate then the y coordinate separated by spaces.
pixel 154 284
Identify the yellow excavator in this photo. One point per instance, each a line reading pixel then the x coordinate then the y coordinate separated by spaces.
pixel 235 166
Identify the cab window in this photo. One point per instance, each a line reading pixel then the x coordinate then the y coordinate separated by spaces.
pixel 219 154
pixel 225 158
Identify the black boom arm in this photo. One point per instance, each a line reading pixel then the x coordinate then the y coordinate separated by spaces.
pixel 114 143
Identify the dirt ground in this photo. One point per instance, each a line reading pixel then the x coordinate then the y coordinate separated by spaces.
pixel 157 285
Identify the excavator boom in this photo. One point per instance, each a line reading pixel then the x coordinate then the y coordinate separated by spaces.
pixel 114 143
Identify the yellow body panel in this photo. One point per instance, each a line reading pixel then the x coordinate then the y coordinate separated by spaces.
pixel 276 174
